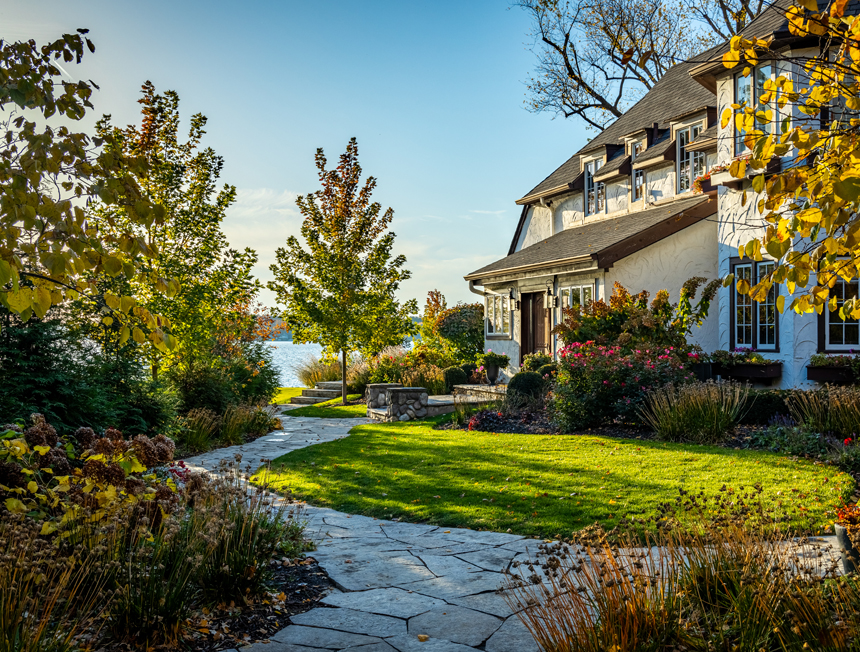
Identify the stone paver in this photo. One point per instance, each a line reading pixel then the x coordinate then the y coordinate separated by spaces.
pixel 395 580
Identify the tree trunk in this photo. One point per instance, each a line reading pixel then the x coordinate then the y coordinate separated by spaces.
pixel 343 375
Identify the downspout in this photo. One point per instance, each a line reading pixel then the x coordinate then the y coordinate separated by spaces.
pixel 474 291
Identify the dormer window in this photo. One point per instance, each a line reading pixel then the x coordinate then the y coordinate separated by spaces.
pixel 691 165
pixel 749 90
pixel 595 193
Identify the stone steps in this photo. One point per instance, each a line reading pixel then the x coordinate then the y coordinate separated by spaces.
pixel 309 400
pixel 320 393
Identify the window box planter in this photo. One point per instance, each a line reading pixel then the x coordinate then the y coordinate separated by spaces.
pixel 721 178
pixel 703 370
pixel 756 373
pixel 830 374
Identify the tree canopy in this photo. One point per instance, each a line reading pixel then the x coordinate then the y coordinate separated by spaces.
pixel 808 117
pixel 49 250
pixel 595 58
pixel 339 289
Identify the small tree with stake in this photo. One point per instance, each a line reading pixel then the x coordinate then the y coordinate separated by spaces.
pixel 339 292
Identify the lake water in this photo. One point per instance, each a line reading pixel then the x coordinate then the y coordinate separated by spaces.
pixel 287 355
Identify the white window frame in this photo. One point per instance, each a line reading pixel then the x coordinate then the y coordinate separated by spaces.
pixel 842 284
pixel 581 288
pixel 755 91
pixel 497 315
pixel 693 162
pixel 638 175
pixel 595 193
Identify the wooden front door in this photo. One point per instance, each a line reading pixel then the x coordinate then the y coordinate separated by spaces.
pixel 535 325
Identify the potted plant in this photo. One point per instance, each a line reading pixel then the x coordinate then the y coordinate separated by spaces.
pixel 492 363
pixel 837 369
pixel 847 529
pixel 700 364
pixel 745 365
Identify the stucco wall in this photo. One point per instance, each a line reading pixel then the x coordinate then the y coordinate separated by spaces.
pixel 616 196
pixel 798 334
pixel 567 212
pixel 667 264
pixel 660 183
pixel 537 227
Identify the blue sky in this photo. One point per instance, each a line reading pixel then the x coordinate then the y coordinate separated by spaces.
pixel 433 91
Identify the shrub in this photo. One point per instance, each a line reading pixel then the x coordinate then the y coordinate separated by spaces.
pixel 534 361
pixel 629 322
pixel 548 370
pixel 252 373
pixel 236 424
pixel 198 429
pixel 469 368
pixel 832 410
pixel 430 377
pixel 725 582
pixel 526 383
pixel 765 405
pixel 462 327
pixel 453 376
pixel 700 412
pixel 596 385
pixel 312 370
pixel 489 358
pixel 201 387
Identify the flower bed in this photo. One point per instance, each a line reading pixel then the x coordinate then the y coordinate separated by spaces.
pixel 597 385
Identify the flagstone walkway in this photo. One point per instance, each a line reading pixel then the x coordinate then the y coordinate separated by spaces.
pixel 395 582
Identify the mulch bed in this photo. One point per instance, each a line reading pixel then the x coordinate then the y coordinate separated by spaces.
pixel 297 588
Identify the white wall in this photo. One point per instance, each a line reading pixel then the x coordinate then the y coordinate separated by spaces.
pixel 798 334
pixel 616 196
pixel 660 183
pixel 567 213
pixel 667 264
pixel 537 227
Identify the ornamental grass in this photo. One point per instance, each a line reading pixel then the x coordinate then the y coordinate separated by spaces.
pixel 833 409
pixel 735 578
pixel 703 413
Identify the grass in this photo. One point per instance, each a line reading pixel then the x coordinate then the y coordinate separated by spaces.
pixel 284 394
pixel 536 484
pixel 332 409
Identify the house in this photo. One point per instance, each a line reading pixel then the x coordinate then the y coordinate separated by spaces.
pixel 626 208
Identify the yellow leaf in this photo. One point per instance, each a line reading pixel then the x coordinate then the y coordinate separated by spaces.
pixel 41 450
pixel 726 119
pixel 15 506
pixel 731 59
pixel 743 286
pixel 32 486
pixel 47 528
pixel 780 303
pixel 812 5
pixel 138 335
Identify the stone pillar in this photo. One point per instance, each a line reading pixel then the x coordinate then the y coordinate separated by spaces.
pixel 377 394
pixel 406 403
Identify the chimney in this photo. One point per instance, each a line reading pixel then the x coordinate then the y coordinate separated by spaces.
pixel 655 130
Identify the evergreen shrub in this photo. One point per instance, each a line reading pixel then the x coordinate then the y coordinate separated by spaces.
pixel 454 376
pixel 526 383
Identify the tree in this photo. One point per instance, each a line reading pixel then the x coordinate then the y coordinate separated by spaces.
pixel 598 57
pixel 339 292
pixel 191 248
pixel 811 207
pixel 47 176
pixel 462 328
pixel 433 306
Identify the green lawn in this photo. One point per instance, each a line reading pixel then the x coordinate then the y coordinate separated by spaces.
pixel 535 484
pixel 284 394
pixel 331 409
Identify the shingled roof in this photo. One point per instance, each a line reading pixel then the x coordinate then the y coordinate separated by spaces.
pixel 606 240
pixel 674 94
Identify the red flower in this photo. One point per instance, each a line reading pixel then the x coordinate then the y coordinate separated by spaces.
pixel 848 441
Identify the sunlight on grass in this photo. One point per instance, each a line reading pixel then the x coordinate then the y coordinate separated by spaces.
pixel 284 394
pixel 536 484
pixel 331 409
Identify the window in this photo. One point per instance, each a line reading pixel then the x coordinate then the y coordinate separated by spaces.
pixel 498 314
pixel 842 333
pixel 690 164
pixel 755 324
pixel 638 184
pixel 748 92
pixel 595 192
pixel 577 295
pixel 636 149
